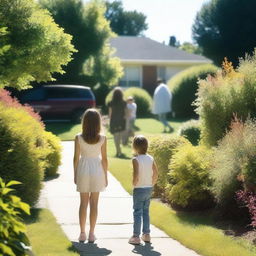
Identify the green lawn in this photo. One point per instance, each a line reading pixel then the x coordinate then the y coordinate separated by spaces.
pixel 147 126
pixel 46 236
pixel 194 231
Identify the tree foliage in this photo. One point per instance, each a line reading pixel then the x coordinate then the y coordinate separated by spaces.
pixel 226 28
pixel 91 32
pixel 129 23
pixel 191 48
pixel 32 46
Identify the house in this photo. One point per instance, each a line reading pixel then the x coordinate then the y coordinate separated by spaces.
pixel 144 60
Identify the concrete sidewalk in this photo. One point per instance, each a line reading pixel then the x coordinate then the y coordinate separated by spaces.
pixel 114 225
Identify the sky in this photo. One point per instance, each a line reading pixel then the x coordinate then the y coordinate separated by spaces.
pixel 167 17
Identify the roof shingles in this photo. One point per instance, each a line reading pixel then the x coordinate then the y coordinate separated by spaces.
pixel 131 48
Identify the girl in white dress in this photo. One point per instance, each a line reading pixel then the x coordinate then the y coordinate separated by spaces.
pixel 90 169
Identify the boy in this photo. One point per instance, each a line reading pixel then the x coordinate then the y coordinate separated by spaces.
pixel 144 178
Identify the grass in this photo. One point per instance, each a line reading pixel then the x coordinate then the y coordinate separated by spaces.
pixel 196 232
pixel 46 236
pixel 149 126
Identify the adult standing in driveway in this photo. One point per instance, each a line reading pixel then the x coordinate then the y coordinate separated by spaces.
pixel 162 100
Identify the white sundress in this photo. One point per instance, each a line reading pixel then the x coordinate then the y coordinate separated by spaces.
pixel 90 173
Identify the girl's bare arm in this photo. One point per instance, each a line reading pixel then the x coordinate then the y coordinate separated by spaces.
pixel 76 157
pixel 105 159
pixel 155 173
pixel 135 172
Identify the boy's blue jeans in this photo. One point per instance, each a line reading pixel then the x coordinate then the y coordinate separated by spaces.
pixel 141 201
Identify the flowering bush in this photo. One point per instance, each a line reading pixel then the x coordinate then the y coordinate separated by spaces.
pixel 248 200
pixel 26 149
pixel 233 162
pixel 8 101
pixel 230 92
pixel 23 150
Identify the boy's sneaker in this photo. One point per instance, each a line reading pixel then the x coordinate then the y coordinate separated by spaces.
pixel 134 240
pixel 146 238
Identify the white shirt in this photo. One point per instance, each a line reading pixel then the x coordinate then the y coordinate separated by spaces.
pixel 145 174
pixel 162 100
pixel 132 108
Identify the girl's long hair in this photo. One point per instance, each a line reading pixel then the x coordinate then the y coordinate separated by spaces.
pixel 118 95
pixel 91 126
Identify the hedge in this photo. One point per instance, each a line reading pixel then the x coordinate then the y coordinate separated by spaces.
pixel 190 182
pixel 162 148
pixel 191 130
pixel 53 158
pixel 184 86
pixel 26 150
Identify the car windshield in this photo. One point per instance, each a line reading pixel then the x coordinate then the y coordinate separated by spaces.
pixel 33 95
pixel 56 93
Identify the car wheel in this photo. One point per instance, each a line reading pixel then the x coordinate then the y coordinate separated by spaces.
pixel 77 116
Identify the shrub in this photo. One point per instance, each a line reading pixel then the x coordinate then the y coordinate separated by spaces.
pixel 184 86
pixel 13 231
pixel 26 149
pixel 8 101
pixel 162 148
pixel 228 93
pixel 22 150
pixel 141 97
pixel 234 156
pixel 248 199
pixel 189 175
pixel 191 131
pixel 53 158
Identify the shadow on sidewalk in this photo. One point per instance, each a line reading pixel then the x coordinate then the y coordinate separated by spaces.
pixel 145 250
pixel 85 249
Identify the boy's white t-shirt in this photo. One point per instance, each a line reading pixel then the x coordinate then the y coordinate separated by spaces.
pixel 132 107
pixel 145 174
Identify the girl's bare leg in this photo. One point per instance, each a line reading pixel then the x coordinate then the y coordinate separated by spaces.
pixel 84 199
pixel 94 198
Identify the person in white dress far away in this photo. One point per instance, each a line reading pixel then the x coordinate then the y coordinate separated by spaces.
pixel 162 101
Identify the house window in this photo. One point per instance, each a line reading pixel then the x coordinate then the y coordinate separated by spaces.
pixel 168 72
pixel 161 72
pixel 172 70
pixel 131 77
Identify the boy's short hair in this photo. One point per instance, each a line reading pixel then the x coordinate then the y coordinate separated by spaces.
pixel 130 98
pixel 140 144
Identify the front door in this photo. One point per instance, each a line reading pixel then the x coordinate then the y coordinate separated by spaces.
pixel 149 78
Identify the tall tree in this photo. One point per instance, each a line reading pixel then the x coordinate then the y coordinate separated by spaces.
pixel 129 23
pixel 32 45
pixel 226 28
pixel 91 33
